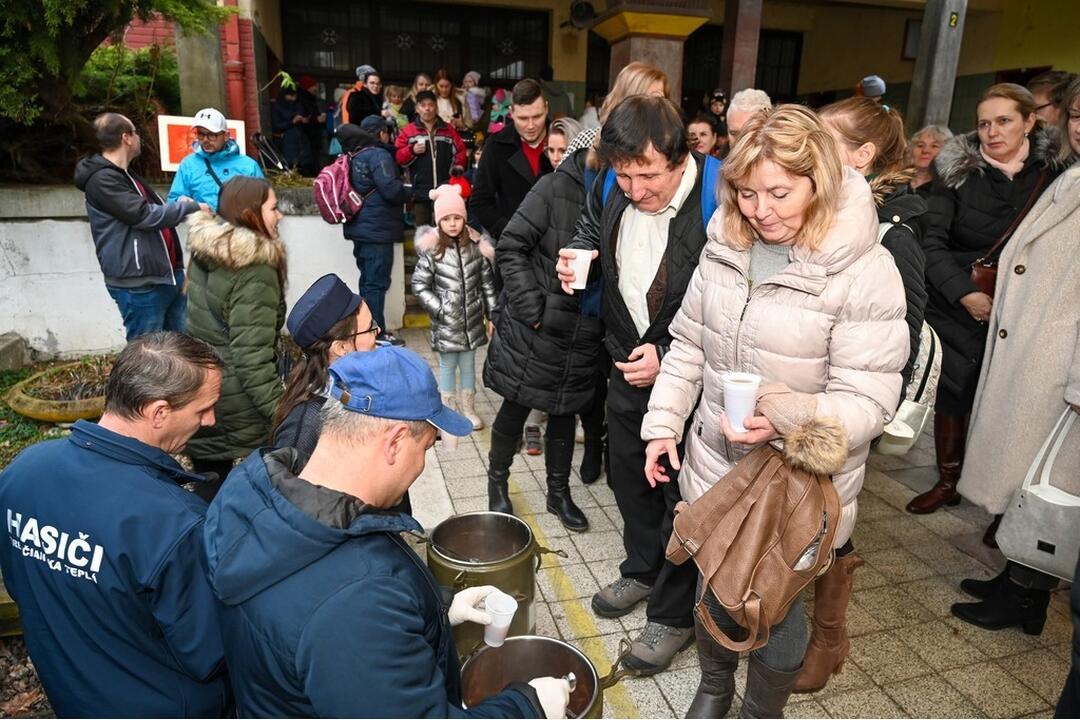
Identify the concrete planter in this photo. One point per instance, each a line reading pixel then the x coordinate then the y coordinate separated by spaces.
pixel 53 411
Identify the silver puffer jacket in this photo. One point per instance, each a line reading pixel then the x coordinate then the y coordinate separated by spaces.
pixel 457 290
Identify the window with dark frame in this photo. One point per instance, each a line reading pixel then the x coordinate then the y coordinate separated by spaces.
pixel 328 39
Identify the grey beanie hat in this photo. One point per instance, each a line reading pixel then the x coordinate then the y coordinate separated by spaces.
pixel 873 86
pixel 363 71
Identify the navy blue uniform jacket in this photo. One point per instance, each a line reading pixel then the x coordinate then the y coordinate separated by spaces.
pixel 103 555
pixel 329 617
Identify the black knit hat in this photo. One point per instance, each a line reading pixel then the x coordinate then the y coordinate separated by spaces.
pixel 425 95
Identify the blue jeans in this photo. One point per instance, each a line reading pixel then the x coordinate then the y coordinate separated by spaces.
pixel 152 308
pixel 374 261
pixel 463 361
pixel 787 638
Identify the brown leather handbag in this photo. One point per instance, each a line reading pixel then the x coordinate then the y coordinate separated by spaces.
pixel 984 270
pixel 759 536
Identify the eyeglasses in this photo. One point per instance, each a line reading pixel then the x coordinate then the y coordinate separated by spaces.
pixel 205 135
pixel 373 329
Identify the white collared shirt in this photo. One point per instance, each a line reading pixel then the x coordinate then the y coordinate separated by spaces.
pixel 643 239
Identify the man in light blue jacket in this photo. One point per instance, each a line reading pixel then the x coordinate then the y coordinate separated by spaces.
pixel 216 159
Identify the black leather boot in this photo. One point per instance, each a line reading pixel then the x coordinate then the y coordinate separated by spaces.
pixel 1010 605
pixel 558 454
pixel 767 690
pixel 592 462
pixel 982 589
pixel 500 457
pixel 717 687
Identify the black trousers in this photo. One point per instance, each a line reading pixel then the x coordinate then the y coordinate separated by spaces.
pixel 648 513
pixel 510 421
pixel 1069 704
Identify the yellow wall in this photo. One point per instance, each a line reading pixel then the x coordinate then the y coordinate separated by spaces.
pixel 267 15
pixel 1039 32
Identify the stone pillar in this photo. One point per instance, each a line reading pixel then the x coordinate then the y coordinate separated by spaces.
pixel 652 32
pixel 738 56
pixel 201 70
pixel 930 101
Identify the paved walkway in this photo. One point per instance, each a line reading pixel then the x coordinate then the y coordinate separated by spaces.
pixel 909 656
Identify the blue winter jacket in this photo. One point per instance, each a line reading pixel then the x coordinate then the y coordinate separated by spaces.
pixel 195 181
pixel 330 617
pixel 104 557
pixel 376 176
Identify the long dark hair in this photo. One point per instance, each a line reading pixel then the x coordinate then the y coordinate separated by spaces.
pixel 240 204
pixel 308 378
pixel 446 242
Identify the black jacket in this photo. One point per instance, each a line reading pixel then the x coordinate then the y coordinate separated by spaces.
pixel 374 174
pixel 361 104
pixel 126 226
pixel 503 180
pixel 553 367
pixel 598 230
pixel 971 206
pixel 300 429
pixel 902 209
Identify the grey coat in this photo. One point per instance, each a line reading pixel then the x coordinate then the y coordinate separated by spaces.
pixel 1032 364
pixel 457 290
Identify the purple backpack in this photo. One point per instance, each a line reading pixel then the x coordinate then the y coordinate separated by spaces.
pixel 333 191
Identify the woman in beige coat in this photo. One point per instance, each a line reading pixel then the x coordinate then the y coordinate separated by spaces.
pixel 793 286
pixel 1030 374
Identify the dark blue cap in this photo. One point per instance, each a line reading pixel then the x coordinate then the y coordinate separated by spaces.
pixel 327 302
pixel 396 384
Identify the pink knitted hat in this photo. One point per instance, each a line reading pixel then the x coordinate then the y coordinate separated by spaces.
pixel 448 201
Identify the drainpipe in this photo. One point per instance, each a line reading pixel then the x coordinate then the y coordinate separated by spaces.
pixel 234 66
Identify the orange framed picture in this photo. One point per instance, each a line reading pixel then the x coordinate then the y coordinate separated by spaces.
pixel 176 137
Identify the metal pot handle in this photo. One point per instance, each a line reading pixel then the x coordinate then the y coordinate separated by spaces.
pixel 618 673
pixel 541 551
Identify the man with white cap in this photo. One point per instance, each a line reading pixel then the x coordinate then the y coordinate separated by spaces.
pixel 325 610
pixel 215 159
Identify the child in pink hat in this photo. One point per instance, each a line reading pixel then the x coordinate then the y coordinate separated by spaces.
pixel 454 282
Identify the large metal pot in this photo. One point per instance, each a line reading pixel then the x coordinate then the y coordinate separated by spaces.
pixel 520 659
pixel 488 548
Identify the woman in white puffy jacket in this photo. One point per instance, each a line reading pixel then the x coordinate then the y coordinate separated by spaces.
pixel 793 286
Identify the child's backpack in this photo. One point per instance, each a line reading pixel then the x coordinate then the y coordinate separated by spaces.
pixel 334 195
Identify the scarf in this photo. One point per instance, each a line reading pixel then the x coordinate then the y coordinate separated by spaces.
pixel 1012 167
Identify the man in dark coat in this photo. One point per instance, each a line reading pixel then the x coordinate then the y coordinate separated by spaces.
pixel 134 232
pixel 104 552
pixel 647 233
pixel 379 224
pixel 326 610
pixel 513 160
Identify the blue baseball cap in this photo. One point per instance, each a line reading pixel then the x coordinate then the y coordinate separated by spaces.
pixel 326 303
pixel 396 384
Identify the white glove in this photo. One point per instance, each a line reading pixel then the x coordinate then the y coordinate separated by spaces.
pixel 463 607
pixel 554 694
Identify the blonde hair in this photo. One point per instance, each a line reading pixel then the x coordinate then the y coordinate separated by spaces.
pixel 794 138
pixel 861 120
pixel 634 79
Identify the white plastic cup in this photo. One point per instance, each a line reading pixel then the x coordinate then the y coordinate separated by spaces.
pixel 421 144
pixel 501 607
pixel 740 397
pixel 580 265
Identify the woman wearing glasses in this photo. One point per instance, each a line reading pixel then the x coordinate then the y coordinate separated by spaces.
pixel 329 321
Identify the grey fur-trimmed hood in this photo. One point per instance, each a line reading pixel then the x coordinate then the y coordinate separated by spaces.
pixel 961 157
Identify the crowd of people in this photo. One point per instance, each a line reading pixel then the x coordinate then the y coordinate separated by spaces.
pixel 816 249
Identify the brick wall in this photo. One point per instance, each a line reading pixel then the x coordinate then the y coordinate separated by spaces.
pixel 154 31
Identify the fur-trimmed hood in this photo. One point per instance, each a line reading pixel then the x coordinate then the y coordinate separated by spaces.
pixel 960 157
pixel 427 239
pixel 230 246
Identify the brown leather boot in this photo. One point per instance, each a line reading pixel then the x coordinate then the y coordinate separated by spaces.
pixel 950 433
pixel 828 646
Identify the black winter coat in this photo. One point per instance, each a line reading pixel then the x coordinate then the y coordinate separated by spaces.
pixel 361 104
pixel 503 180
pixel 971 206
pixel 552 367
pixel 598 229
pixel 902 209
pixel 374 174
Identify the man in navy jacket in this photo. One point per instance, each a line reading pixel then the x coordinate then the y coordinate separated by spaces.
pixel 103 552
pixel 327 612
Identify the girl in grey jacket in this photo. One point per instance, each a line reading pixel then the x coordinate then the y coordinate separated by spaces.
pixel 454 282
